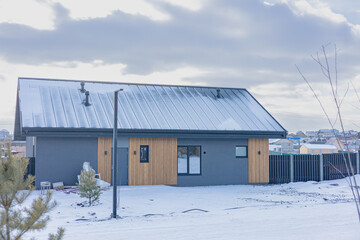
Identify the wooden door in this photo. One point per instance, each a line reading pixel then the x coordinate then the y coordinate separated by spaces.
pixel 258 154
pixel 162 165
pixel 104 158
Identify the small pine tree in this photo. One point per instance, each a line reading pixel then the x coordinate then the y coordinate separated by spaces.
pixel 15 188
pixel 87 186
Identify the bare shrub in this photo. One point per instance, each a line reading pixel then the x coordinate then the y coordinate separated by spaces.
pixel 331 76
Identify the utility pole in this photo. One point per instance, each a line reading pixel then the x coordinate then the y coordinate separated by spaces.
pixel 114 155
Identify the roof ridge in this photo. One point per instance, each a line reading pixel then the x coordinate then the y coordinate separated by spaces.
pixel 126 83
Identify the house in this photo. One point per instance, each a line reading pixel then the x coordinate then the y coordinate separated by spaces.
pixel 317 148
pixel 351 134
pixel 311 134
pixel 318 141
pixel 328 133
pixel 174 135
pixel 282 146
pixel 301 134
pixel 2 149
pixel 337 143
pixel 17 148
pixel 5 135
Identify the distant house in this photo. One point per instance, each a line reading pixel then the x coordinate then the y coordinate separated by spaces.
pixel 17 148
pixel 311 134
pixel 318 141
pixel 317 148
pixel 2 149
pixel 301 134
pixel 4 134
pixel 351 133
pixel 291 135
pixel 328 133
pixel 174 135
pixel 282 146
pixel 338 144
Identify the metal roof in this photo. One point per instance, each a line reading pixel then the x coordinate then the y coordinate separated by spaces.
pixel 319 146
pixel 48 103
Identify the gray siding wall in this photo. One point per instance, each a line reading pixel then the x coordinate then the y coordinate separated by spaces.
pixel 61 158
pixel 219 166
pixel 30 150
pixel 123 141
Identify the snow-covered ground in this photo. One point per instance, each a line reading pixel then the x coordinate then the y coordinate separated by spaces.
pixel 308 210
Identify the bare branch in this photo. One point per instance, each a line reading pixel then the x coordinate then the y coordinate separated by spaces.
pixel 336 72
pixel 325 68
pixel 316 96
pixel 322 67
pixel 357 95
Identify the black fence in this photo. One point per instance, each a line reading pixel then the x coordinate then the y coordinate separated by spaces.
pixel 335 167
pixel 279 168
pixel 306 167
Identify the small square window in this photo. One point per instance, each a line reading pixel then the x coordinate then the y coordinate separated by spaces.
pixel 241 151
pixel 144 153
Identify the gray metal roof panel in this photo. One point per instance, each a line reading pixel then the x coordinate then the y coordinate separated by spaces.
pixel 59 104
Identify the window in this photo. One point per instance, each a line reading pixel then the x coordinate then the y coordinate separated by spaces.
pixel 241 151
pixel 189 160
pixel 144 153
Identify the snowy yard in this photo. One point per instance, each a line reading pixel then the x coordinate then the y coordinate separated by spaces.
pixel 308 210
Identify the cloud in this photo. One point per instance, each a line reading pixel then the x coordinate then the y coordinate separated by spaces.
pixel 316 8
pixel 41 15
pixel 269 4
pixel 235 35
pixel 193 5
pixel 37 14
pixel 296 107
pixel 102 9
pixel 320 9
pixel 250 44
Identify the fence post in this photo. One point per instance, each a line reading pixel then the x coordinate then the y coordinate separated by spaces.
pixel 291 168
pixel 357 163
pixel 321 167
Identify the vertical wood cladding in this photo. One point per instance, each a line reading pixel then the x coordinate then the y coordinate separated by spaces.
pixel 162 165
pixel 104 158
pixel 258 163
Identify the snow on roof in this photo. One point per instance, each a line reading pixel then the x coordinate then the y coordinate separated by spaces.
pixel 46 103
pixel 273 140
pixel 319 146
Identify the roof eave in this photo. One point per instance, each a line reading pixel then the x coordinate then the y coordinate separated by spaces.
pixel 171 132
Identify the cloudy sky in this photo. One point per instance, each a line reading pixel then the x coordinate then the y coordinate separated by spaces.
pixel 249 44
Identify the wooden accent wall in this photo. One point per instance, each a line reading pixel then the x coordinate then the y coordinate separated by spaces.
pixel 162 165
pixel 258 164
pixel 104 161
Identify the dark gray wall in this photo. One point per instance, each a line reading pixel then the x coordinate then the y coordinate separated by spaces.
pixel 61 158
pixel 123 166
pixel 123 141
pixel 219 166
